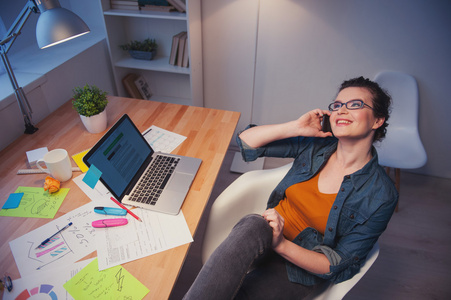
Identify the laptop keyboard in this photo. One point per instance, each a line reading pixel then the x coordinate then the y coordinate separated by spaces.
pixel 152 183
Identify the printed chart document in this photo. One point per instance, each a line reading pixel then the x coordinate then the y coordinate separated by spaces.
pixel 157 232
pixel 162 140
pixel 67 247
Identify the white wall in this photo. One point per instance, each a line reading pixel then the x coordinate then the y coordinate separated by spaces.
pixel 306 48
pixel 229 31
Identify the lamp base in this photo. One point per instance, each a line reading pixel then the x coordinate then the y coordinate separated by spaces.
pixel 30 129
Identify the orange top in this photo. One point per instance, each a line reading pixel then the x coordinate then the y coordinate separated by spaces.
pixel 304 206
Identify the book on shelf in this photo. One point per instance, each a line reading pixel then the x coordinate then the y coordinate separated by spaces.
pixel 157 8
pixel 185 62
pixel 174 48
pixel 178 4
pixel 129 84
pixel 124 4
pixel 181 49
pixel 153 2
pixel 143 88
pixel 125 7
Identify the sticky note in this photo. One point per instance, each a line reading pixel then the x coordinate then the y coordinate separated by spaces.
pixel 43 204
pixel 92 176
pixel 112 283
pixel 78 158
pixel 13 201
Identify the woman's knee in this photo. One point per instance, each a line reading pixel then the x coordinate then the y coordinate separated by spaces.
pixel 253 225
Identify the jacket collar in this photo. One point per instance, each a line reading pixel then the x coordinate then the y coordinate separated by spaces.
pixel 360 177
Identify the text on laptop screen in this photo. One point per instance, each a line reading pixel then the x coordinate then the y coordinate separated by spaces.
pixel 120 156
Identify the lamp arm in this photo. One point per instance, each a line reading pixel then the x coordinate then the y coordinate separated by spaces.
pixel 15 29
pixel 5 45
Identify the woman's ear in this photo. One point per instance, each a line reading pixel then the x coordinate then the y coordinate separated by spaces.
pixel 378 123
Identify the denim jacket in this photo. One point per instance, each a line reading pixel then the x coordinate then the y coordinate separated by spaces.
pixel 360 213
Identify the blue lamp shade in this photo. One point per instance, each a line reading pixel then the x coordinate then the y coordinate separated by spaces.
pixel 57 25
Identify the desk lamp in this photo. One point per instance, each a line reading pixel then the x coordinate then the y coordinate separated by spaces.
pixel 55 25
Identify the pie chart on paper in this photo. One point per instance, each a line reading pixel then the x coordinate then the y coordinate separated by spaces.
pixel 38 293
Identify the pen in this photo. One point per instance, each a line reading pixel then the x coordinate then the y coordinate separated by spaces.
pixel 47 240
pixel 129 211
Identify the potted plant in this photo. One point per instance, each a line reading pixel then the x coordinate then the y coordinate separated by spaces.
pixel 90 102
pixel 146 49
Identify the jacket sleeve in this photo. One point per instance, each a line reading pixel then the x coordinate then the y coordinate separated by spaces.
pixel 352 248
pixel 281 148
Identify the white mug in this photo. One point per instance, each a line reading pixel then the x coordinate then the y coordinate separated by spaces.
pixel 58 164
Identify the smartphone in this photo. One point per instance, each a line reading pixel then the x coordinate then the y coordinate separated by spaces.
pixel 325 127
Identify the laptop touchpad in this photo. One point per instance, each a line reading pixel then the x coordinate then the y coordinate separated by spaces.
pixel 180 182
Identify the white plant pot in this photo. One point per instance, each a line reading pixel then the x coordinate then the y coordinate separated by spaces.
pixel 96 123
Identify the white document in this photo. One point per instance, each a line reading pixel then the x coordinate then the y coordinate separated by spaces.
pixel 117 245
pixel 162 140
pixel 157 232
pixel 46 284
pixel 67 247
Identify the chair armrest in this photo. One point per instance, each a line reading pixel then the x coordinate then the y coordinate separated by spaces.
pixel 339 290
pixel 248 194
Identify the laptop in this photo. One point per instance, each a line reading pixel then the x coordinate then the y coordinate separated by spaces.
pixel 129 165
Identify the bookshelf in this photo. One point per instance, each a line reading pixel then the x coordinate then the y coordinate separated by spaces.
pixel 167 82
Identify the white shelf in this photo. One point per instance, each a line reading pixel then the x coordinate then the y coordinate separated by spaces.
pixel 168 83
pixel 159 63
pixel 146 14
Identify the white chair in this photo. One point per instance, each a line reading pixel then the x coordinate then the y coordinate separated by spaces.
pixel 249 194
pixel 402 147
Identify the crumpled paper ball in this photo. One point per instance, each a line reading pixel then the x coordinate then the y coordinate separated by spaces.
pixel 51 185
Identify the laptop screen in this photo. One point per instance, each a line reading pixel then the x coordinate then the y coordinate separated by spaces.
pixel 119 155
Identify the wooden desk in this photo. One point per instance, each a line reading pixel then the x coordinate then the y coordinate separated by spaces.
pixel 208 133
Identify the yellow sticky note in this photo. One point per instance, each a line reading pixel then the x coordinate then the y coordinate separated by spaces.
pixel 78 158
pixel 112 283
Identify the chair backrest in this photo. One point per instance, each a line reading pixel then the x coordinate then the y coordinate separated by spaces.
pixel 402 147
pixel 249 194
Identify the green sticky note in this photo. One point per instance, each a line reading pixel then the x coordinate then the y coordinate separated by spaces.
pixel 112 283
pixel 36 203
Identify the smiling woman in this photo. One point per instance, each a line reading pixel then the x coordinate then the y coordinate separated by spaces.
pixel 323 218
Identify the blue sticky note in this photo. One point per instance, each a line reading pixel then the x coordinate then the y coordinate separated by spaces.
pixel 13 201
pixel 92 176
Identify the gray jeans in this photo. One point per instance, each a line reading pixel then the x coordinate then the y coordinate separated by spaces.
pixel 244 266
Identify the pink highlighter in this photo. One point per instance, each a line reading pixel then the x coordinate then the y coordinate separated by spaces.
pixel 109 223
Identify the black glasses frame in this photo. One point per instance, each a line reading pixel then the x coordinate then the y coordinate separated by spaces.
pixel 334 106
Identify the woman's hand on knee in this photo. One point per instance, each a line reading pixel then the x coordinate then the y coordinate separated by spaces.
pixel 276 221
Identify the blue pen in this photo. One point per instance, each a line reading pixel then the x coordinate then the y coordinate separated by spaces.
pixel 48 239
pixel 110 211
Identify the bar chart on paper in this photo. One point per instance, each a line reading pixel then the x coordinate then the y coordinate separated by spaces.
pixel 162 140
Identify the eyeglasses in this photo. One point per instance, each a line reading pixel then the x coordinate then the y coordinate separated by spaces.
pixel 351 105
